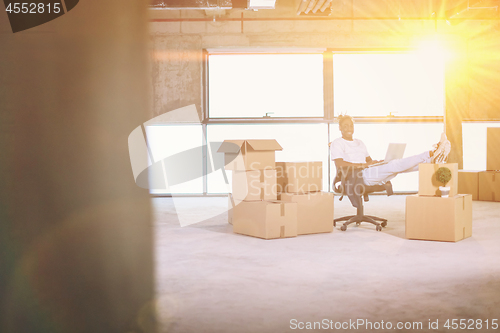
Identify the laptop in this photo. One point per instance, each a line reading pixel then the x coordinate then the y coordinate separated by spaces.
pixel 394 151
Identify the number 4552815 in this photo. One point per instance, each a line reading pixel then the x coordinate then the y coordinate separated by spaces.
pixel 33 8
pixel 471 324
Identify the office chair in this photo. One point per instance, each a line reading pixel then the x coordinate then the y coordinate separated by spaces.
pixel 351 184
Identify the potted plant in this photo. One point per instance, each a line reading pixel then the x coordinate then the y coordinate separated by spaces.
pixel 443 175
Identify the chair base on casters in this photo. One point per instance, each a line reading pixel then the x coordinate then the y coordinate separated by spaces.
pixel 360 217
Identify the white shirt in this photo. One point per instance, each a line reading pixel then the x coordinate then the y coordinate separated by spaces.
pixel 350 151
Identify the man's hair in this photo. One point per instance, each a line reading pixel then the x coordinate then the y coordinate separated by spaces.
pixel 344 117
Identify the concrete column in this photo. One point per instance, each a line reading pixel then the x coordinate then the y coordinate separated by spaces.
pixel 457 101
pixel 76 251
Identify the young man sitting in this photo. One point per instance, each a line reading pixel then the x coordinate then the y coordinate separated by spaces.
pixel 349 152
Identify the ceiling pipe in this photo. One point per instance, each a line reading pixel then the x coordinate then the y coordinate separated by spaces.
pixel 326 5
pixel 221 5
pixel 460 9
pixel 313 6
pixel 316 18
pixel 310 6
pixel 302 6
pixel 318 6
pixel 189 8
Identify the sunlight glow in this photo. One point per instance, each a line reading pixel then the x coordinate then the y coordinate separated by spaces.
pixel 433 49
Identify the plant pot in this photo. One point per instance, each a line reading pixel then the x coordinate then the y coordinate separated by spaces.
pixel 445 191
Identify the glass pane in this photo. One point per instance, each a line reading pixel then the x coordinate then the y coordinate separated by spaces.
pixel 251 85
pixel 300 142
pixel 418 138
pixel 474 144
pixel 409 84
pixel 183 143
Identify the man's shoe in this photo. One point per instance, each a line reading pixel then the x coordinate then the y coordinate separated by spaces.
pixel 442 150
pixel 388 188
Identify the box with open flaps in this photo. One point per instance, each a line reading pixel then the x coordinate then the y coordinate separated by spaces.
pixel 249 154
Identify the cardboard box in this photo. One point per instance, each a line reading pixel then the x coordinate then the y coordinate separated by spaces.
pixel 489 186
pixel 230 206
pixel 439 219
pixel 314 211
pixel 265 219
pixel 249 154
pixel 255 185
pixel 299 177
pixel 232 202
pixel 429 185
pixel 468 183
pixel 493 148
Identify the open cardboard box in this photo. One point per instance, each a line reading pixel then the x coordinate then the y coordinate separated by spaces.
pixel 299 177
pixel 314 211
pixel 439 219
pixel 265 219
pixel 429 185
pixel 249 154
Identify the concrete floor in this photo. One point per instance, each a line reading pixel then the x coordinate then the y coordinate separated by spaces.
pixel 212 280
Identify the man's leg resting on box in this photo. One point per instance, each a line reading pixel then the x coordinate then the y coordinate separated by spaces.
pixel 381 174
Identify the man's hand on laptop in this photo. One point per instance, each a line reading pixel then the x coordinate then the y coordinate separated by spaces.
pixel 367 164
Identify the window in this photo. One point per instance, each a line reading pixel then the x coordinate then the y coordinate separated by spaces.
pixel 165 141
pixel 253 85
pixel 399 84
pixel 474 144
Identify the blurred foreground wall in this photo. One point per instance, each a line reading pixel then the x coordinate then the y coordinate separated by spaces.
pixel 75 231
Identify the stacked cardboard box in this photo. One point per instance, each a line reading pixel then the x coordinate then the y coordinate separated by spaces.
pixel 468 183
pixel 431 217
pixel 254 185
pixel 302 182
pixel 489 186
pixel 493 148
pixel 489 180
pixel 299 177
pixel 253 206
pixel 265 219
